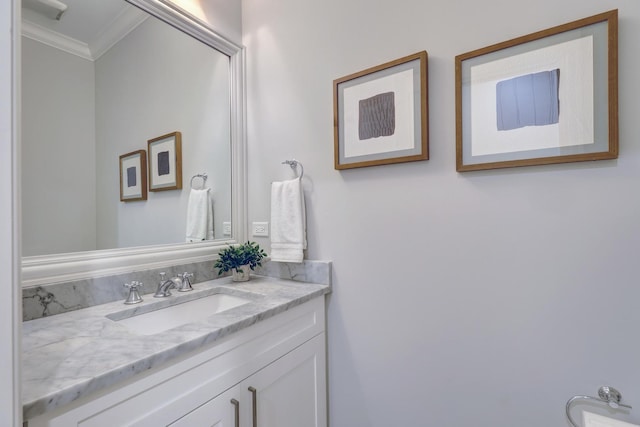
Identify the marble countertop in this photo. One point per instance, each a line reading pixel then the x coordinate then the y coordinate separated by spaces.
pixel 74 354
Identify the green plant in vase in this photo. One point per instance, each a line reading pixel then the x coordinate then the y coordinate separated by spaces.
pixel 240 260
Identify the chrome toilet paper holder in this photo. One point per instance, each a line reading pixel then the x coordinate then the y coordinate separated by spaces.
pixel 606 394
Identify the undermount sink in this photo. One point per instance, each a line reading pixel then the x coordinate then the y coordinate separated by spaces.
pixel 152 320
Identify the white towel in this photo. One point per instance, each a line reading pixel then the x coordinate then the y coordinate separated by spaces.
pixel 199 216
pixel 594 420
pixel 288 221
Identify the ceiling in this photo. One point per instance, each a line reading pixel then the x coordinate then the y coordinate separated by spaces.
pixel 87 28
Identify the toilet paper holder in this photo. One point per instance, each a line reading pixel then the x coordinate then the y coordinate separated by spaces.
pixel 606 394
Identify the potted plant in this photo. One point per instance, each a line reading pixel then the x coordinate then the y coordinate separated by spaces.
pixel 240 260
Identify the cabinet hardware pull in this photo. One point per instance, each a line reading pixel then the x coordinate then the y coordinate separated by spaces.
pixel 254 396
pixel 236 404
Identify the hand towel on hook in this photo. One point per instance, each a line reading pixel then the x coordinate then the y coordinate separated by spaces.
pixel 199 216
pixel 288 221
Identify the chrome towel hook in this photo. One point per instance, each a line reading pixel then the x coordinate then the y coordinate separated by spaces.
pixel 200 175
pixel 608 395
pixel 294 164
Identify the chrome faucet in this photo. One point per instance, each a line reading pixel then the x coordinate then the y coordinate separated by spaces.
pixel 164 287
pixel 181 283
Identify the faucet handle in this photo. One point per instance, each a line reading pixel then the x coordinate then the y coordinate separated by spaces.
pixel 133 285
pixel 134 296
pixel 186 282
pixel 162 276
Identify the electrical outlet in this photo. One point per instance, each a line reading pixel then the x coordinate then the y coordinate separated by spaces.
pixel 260 229
pixel 226 229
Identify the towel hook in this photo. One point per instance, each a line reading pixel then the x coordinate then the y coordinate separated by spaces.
pixel 294 164
pixel 608 395
pixel 200 175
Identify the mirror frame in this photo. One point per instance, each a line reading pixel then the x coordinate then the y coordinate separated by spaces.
pixel 37 270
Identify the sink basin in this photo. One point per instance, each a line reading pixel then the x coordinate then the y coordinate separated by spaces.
pixel 164 318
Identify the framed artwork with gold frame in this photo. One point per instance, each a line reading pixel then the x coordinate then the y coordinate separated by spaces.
pixel 381 114
pixel 165 162
pixel 547 97
pixel 133 176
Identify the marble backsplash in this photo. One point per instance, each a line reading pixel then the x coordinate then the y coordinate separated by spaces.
pixel 56 298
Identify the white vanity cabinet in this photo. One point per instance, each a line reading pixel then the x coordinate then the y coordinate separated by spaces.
pixel 274 370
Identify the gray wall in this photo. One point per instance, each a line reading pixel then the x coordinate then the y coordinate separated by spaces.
pixel 58 151
pixel 485 298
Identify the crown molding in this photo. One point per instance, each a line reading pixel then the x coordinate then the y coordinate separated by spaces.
pixel 56 40
pixel 117 30
pixel 122 25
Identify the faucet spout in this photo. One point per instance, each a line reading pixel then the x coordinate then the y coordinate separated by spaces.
pixel 165 286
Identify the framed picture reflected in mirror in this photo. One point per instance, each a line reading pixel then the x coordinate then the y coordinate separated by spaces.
pixel 133 176
pixel 165 162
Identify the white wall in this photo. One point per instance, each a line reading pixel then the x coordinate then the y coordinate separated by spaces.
pixel 10 303
pixel 154 82
pixel 58 147
pixel 486 298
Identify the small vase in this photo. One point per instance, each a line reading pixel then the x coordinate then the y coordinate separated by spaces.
pixel 243 276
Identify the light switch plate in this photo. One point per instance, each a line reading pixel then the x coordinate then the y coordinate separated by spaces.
pixel 226 229
pixel 260 229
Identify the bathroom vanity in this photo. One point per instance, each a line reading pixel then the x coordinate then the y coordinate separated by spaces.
pixel 259 363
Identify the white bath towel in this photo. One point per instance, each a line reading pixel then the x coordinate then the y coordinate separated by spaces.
pixel 199 216
pixel 288 221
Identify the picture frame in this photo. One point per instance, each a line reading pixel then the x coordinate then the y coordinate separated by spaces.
pixel 165 162
pixel 381 114
pixel 544 98
pixel 133 176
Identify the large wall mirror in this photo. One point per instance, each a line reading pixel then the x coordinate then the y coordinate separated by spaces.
pixel 98 83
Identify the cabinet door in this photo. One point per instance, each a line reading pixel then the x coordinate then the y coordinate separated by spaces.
pixel 222 411
pixel 290 392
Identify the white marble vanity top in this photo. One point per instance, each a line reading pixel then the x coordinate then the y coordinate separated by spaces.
pixel 71 355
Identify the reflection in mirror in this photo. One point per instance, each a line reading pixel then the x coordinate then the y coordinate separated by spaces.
pixel 65 267
pixel 134 78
